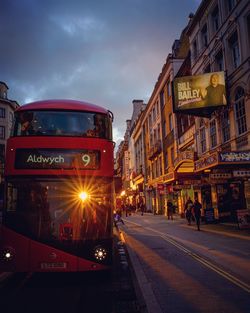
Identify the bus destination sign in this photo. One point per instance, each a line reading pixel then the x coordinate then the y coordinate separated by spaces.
pixel 57 159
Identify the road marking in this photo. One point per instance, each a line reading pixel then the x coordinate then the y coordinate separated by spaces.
pixel 200 259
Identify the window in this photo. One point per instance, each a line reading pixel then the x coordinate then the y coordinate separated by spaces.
pixel 2 152
pixel 149 122
pixel 166 160
pixel 153 115
pixel 213 133
pixel 204 36
pixel 155 136
pixel 164 129
pixel 203 136
pixel 172 155
pixel 169 88
pixel 2 132
pixel 55 123
pixel 156 168
pixel 207 69
pixel 158 132
pixel 162 102
pixel 2 112
pixel 160 166
pixel 195 50
pixel 219 65
pixel 235 49
pixel 157 108
pixel 248 30
pixel 182 125
pixel 215 19
pixel 151 140
pixel 11 117
pixel 170 122
pixel 230 5
pixel 225 126
pixel 240 111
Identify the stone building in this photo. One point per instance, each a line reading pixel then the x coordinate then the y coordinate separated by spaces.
pixel 219 36
pixel 201 152
pixel 7 108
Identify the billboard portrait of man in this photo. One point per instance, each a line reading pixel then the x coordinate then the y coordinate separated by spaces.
pixel 215 93
pixel 199 93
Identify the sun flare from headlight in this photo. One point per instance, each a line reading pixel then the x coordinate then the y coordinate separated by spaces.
pixel 83 196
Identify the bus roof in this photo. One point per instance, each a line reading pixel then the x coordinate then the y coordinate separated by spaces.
pixel 72 105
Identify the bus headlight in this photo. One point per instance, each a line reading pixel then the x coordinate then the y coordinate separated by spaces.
pixel 83 196
pixel 100 253
pixel 8 254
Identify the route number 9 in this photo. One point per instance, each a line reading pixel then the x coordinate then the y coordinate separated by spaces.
pixel 86 159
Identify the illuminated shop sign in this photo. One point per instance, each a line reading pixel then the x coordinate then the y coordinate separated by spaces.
pixel 199 95
pixel 240 156
pixel 56 159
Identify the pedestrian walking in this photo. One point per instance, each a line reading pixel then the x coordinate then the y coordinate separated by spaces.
pixel 170 209
pixel 142 207
pixel 197 212
pixel 118 218
pixel 127 209
pixel 188 210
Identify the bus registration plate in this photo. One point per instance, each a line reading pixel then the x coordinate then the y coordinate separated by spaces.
pixel 54 265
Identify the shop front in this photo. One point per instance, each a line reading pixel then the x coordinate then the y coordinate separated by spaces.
pixel 225 184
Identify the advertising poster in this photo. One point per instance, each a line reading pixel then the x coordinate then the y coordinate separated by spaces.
pixel 243 217
pixel 199 94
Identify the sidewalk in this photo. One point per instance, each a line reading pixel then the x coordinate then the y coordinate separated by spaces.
pixel 227 229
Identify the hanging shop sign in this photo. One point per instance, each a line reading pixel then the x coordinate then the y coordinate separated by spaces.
pixel 209 215
pixel 243 217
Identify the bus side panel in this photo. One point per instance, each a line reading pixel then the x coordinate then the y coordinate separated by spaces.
pixel 18 246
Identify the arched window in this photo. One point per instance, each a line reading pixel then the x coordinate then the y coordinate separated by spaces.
pixel 240 111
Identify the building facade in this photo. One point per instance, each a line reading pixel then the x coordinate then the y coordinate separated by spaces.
pixel 7 108
pixel 220 41
pixel 189 153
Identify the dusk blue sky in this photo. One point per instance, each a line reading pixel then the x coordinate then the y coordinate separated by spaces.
pixel 106 52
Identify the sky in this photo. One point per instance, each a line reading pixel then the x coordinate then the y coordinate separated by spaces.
pixel 106 52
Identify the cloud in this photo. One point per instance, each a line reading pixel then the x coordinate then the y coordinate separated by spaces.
pixel 104 52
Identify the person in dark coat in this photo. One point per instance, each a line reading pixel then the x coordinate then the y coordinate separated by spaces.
pixel 170 209
pixel 197 212
pixel 188 210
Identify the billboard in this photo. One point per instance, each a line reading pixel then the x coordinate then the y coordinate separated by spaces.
pixel 200 94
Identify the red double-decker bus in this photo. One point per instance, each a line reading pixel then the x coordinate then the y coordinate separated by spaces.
pixel 59 189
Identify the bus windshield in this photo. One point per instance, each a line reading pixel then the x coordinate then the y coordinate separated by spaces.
pixel 55 210
pixel 62 123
